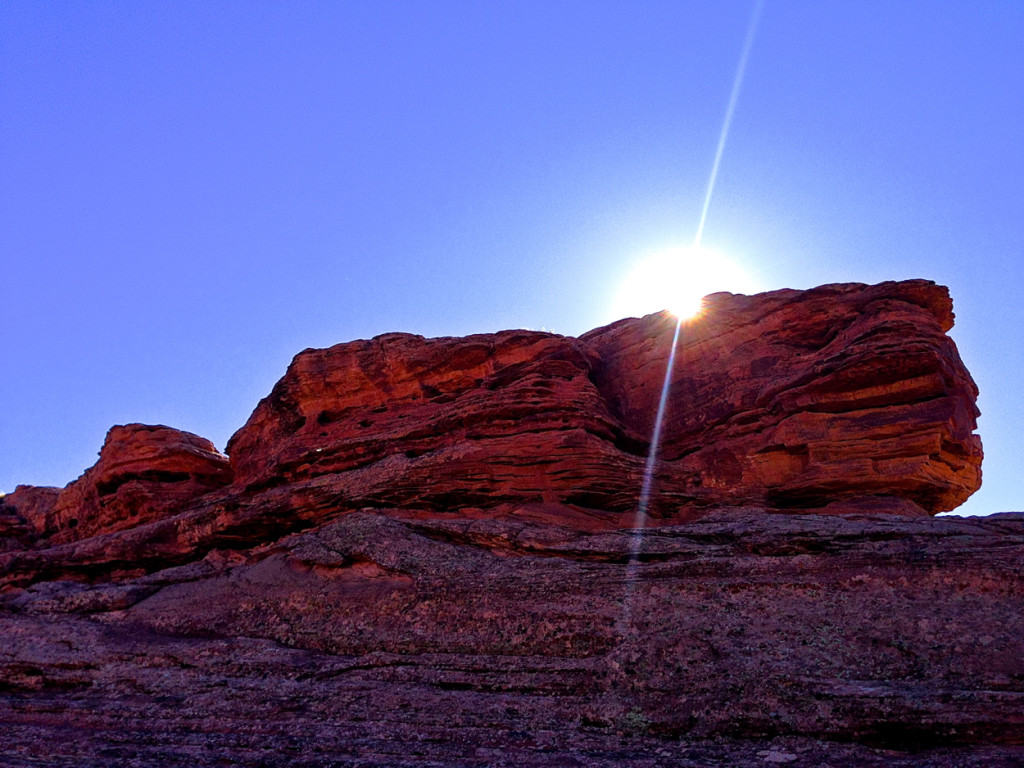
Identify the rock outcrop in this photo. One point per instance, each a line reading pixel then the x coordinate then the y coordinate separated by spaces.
pixel 144 473
pixel 798 399
pixel 425 551
pixel 790 400
pixel 439 423
pixel 23 515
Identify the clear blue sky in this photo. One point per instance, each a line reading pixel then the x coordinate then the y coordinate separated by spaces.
pixel 192 192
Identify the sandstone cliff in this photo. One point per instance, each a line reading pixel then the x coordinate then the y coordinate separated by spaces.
pixel 419 551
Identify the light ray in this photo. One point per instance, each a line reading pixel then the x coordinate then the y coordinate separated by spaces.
pixel 640 518
pixel 647 487
pixel 734 95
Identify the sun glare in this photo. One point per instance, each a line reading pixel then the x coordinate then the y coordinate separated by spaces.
pixel 678 279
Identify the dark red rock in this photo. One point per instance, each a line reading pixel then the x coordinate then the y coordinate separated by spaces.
pixel 796 399
pixel 144 473
pixel 383 640
pixel 845 398
pixel 421 554
pixel 790 400
pixel 440 423
pixel 23 515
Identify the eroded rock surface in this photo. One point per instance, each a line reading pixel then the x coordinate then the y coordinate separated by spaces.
pixel 23 515
pixel 838 398
pixel 791 399
pixel 405 421
pixel 380 639
pixel 144 473
pixel 797 399
pixel 422 551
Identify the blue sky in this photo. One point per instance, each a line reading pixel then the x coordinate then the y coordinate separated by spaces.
pixel 191 193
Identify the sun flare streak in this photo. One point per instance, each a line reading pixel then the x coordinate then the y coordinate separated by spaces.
pixel 640 518
pixel 734 95
pixel 647 487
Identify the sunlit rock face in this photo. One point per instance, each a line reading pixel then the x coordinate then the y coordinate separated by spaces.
pixel 422 551
pixel 790 400
pixel 144 473
pixel 802 399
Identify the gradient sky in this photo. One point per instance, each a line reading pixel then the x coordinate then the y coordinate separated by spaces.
pixel 193 192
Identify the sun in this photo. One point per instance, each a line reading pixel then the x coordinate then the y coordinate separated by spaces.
pixel 677 279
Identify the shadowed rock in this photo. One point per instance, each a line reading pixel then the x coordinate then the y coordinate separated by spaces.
pixel 144 473
pixel 419 553
pixel 23 515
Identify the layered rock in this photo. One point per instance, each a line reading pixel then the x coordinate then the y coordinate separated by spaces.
pixel 832 398
pixel 23 515
pixel 790 400
pixel 144 473
pixel 379 639
pixel 439 423
pixel 839 399
pixel 423 551
pixel 798 399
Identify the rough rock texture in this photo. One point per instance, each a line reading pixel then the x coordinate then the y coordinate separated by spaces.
pixel 841 399
pixel 424 552
pixel 379 639
pixel 144 473
pixel 801 398
pixel 789 399
pixel 405 421
pixel 23 515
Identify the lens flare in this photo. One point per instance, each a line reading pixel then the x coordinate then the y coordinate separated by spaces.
pixel 677 279
pixel 697 266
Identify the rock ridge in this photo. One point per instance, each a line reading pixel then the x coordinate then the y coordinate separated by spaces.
pixel 426 551
pixel 835 399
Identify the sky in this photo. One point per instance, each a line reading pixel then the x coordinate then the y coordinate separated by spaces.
pixel 193 192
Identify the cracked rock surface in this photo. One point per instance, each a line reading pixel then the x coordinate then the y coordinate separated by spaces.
pixel 739 639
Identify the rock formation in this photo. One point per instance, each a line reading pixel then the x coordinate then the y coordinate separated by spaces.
pixel 422 551
pixel 23 515
pixel 144 473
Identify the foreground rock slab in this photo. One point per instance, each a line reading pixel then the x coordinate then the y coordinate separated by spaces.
pixel 742 639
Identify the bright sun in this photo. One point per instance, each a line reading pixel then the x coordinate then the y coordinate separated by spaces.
pixel 677 279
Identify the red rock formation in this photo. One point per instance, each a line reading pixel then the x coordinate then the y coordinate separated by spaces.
pixel 405 421
pixel 420 553
pixel 840 399
pixel 801 398
pixel 144 473
pixel 26 511
pixel 788 399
